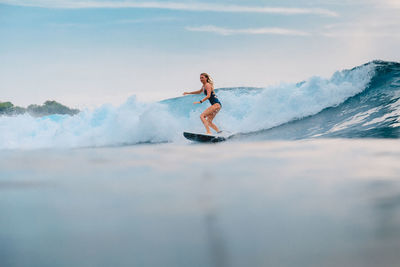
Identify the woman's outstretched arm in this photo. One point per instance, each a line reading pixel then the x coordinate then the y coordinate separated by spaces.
pixel 194 92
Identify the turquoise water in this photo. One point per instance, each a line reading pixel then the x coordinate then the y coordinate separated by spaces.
pixel 316 202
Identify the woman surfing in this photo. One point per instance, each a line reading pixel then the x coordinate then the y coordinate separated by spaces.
pixel 209 114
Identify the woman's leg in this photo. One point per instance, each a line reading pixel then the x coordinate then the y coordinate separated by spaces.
pixel 211 117
pixel 208 115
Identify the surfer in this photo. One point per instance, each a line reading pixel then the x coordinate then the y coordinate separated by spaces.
pixel 209 114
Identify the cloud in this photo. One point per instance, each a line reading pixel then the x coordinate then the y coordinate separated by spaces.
pixel 199 7
pixel 377 25
pixel 116 22
pixel 392 3
pixel 252 31
pixel 145 20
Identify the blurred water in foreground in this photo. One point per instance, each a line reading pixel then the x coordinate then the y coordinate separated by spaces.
pixel 326 202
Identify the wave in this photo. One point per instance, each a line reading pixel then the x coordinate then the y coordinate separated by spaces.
pixel 360 102
pixel 372 113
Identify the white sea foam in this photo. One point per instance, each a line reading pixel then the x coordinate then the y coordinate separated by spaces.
pixel 280 104
pixel 135 122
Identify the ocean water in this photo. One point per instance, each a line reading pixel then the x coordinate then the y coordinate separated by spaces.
pixel 361 102
pixel 309 178
pixel 321 202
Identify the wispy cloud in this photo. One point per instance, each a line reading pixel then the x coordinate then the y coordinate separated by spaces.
pixel 116 22
pixel 392 3
pixel 253 31
pixel 381 26
pixel 199 7
pixel 145 20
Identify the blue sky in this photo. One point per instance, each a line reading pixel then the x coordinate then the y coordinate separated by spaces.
pixel 86 53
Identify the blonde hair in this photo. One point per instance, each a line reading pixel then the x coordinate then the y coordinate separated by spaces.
pixel 209 79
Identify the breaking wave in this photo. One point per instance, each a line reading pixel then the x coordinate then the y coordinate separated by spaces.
pixel 361 102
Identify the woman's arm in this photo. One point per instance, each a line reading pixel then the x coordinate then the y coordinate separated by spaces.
pixel 194 92
pixel 207 87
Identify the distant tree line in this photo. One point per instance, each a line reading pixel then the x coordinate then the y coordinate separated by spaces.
pixel 48 108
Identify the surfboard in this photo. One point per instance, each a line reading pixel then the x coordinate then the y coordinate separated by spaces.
pixel 204 138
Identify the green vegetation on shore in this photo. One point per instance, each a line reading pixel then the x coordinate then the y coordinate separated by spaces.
pixel 48 108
